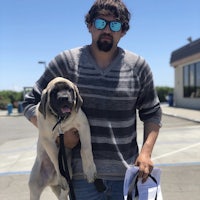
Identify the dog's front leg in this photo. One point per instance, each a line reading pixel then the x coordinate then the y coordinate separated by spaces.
pixel 89 167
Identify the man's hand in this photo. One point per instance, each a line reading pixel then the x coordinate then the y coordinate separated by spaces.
pixel 145 166
pixel 33 120
pixel 71 138
pixel 144 162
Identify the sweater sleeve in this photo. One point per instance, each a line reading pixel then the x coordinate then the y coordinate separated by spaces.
pixel 61 66
pixel 148 103
pixel 32 98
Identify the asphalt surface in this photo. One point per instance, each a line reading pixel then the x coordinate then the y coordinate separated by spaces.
pixel 176 153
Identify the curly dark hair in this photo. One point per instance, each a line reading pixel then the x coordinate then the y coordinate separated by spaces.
pixel 109 7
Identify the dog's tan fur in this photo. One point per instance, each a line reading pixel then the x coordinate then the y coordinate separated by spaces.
pixel 45 171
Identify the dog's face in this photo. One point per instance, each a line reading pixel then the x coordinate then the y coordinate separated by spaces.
pixel 61 97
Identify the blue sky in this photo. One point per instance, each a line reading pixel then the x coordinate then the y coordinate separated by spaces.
pixel 37 30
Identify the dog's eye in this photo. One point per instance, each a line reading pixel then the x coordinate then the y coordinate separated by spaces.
pixel 70 89
pixel 53 92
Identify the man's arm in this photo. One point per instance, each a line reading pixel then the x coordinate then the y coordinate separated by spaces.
pixel 33 120
pixel 151 131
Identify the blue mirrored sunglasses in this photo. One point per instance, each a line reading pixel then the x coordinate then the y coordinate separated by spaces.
pixel 101 24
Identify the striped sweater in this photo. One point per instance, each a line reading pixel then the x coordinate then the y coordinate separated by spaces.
pixel 111 97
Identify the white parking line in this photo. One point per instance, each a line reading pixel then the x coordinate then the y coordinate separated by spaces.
pixel 176 151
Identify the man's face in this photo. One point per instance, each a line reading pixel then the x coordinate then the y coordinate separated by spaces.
pixel 105 39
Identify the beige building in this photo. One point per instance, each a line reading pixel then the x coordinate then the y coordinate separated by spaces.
pixel 186 63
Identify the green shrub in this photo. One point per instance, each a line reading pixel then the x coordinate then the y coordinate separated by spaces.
pixel 9 96
pixel 163 93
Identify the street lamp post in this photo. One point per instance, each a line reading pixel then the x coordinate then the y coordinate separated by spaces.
pixel 43 63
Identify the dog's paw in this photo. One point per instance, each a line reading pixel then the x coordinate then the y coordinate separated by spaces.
pixel 63 194
pixel 89 168
pixel 90 172
pixel 63 183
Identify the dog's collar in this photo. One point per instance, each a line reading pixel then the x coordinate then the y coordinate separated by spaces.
pixel 59 118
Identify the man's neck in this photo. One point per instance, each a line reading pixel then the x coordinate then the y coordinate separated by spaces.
pixel 103 59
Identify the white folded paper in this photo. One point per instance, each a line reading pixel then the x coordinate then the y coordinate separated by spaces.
pixel 150 190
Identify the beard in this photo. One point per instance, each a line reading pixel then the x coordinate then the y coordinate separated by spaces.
pixel 104 45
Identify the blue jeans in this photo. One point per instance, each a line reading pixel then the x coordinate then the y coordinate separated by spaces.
pixel 87 191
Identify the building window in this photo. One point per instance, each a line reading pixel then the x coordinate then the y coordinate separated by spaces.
pixel 198 79
pixel 191 80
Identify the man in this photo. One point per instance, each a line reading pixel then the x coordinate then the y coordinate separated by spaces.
pixel 113 83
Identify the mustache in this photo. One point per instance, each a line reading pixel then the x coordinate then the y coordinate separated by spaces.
pixel 105 35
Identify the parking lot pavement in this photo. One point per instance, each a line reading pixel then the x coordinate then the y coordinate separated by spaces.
pixel 189 114
pixel 15 186
pixel 176 153
pixel 181 181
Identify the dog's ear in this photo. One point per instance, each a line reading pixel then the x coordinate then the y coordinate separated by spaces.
pixel 43 102
pixel 78 99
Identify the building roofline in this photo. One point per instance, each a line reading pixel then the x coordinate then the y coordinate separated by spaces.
pixel 186 51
